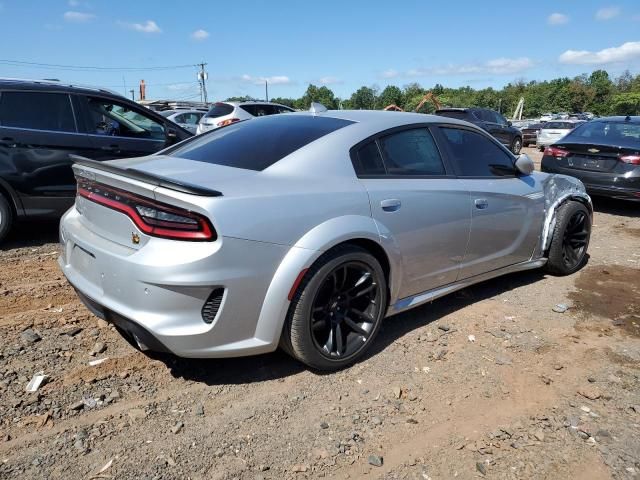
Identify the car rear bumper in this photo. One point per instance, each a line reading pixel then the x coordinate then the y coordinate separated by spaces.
pixel 156 294
pixel 614 185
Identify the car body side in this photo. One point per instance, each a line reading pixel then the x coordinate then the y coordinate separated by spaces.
pixel 273 225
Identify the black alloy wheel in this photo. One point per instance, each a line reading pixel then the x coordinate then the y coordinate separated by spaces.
pixel 345 309
pixel 574 242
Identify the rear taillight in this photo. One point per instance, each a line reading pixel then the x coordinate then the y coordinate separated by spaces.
pixel 150 216
pixel 632 159
pixel 228 121
pixel 555 152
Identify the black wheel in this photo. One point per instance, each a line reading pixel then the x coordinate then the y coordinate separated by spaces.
pixel 516 146
pixel 570 241
pixel 6 217
pixel 337 309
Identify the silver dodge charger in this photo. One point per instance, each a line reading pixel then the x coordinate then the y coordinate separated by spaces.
pixel 305 230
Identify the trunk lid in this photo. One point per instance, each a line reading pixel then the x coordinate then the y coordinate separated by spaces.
pixel 591 157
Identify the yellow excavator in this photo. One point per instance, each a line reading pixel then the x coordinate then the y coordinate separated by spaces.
pixel 429 97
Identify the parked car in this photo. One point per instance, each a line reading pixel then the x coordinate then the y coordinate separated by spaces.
pixel 489 120
pixel 43 123
pixel 225 113
pixel 554 130
pixel 530 133
pixel 604 154
pixel 187 119
pixel 306 230
pixel 546 117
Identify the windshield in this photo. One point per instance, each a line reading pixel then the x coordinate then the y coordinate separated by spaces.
pixel 625 134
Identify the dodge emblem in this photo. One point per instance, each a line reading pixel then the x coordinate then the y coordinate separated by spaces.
pixel 135 238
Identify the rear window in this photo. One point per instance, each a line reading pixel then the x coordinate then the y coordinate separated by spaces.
pixel 219 110
pixel 453 114
pixel 624 134
pixel 559 125
pixel 37 110
pixel 257 144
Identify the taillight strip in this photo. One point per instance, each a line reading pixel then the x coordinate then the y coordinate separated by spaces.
pixel 158 228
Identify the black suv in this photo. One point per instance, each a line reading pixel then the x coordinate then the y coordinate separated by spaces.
pixel 491 121
pixel 44 124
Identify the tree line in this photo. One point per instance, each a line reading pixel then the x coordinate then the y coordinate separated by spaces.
pixel 598 93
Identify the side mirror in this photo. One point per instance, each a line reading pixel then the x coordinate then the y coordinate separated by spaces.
pixel 509 123
pixel 172 137
pixel 524 164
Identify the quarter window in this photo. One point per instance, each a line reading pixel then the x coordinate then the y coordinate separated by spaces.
pixel 411 152
pixel 475 155
pixel 37 110
pixel 368 160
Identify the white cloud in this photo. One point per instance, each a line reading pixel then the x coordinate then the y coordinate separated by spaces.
pixel 498 66
pixel 200 35
pixel 74 3
pixel 329 80
pixel 391 73
pixel 557 19
pixel 78 17
pixel 273 80
pixel 624 53
pixel 146 27
pixel 607 13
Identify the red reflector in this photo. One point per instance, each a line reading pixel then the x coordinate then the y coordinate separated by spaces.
pixel 555 152
pixel 150 216
pixel 296 284
pixel 228 121
pixel 632 159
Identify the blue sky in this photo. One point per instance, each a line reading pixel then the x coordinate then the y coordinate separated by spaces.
pixel 342 44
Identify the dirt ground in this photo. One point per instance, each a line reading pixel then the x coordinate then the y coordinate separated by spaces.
pixel 490 381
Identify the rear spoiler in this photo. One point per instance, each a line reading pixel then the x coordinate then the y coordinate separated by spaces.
pixel 149 178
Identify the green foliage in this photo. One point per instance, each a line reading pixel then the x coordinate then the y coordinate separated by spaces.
pixel 596 92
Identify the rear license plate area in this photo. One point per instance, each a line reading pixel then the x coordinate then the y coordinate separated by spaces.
pixel 586 163
pixel 85 264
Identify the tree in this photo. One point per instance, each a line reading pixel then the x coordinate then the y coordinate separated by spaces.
pixel 289 102
pixel 626 104
pixel 363 99
pixel 603 90
pixel 390 95
pixel 321 95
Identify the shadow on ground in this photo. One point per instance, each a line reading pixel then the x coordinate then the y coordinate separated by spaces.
pixel 279 365
pixel 31 234
pixel 621 208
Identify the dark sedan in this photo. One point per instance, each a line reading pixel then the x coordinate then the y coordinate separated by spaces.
pixel 530 133
pixel 604 154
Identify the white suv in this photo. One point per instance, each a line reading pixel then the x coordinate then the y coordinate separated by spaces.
pixel 224 113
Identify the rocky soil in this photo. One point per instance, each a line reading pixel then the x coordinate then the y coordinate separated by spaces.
pixel 525 376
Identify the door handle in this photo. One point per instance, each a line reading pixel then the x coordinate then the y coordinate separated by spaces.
pixel 390 204
pixel 481 203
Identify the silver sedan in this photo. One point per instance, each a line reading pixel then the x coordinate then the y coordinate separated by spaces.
pixel 305 230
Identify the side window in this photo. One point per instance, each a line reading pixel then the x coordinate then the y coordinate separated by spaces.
pixel 180 118
pixel 281 109
pixel 258 110
pixel 116 120
pixel 37 110
pixel 411 152
pixel 487 116
pixel 475 155
pixel 367 160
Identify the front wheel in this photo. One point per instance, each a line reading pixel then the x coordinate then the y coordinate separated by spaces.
pixel 337 309
pixel 516 146
pixel 6 217
pixel 570 240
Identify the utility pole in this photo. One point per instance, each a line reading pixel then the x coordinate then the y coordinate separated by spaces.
pixel 202 77
pixel 266 91
pixel 132 91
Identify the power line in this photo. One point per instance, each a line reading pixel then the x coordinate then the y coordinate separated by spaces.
pixel 50 66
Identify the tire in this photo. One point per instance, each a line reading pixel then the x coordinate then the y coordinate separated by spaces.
pixel 516 146
pixel 319 318
pixel 6 217
pixel 568 249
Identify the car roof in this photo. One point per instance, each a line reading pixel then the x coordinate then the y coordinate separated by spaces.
pixel 620 118
pixel 236 103
pixel 52 85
